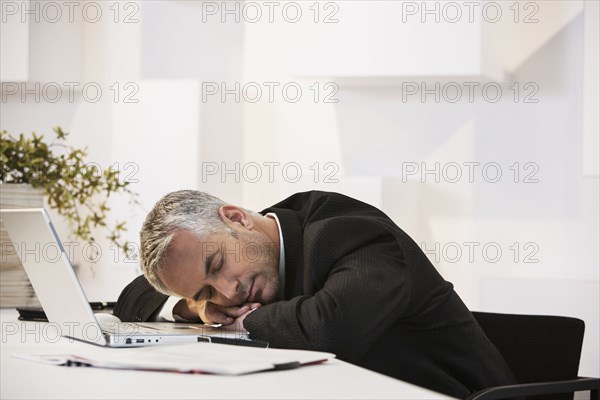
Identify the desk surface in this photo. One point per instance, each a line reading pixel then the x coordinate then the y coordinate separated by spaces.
pixel 26 379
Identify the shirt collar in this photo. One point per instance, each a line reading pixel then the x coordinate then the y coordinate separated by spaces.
pixel 281 256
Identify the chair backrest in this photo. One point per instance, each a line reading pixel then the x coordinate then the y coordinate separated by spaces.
pixel 538 348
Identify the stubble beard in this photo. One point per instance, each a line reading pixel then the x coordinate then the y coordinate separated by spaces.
pixel 267 267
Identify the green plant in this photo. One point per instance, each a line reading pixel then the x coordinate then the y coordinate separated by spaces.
pixel 77 190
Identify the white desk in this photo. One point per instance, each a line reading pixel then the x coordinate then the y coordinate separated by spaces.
pixel 26 379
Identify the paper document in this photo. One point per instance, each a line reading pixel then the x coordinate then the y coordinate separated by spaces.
pixel 190 357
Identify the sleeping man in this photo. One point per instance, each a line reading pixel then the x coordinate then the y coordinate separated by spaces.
pixel 316 271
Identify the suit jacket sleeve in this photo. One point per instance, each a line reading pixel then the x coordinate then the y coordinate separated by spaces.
pixel 139 301
pixel 347 305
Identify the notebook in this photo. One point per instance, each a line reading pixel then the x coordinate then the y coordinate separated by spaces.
pixel 47 265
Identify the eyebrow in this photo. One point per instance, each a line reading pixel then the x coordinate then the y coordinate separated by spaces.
pixel 207 264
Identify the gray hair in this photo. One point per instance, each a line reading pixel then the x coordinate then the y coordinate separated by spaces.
pixel 191 210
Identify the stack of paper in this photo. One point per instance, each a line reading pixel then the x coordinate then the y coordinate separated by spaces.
pixel 188 358
pixel 15 288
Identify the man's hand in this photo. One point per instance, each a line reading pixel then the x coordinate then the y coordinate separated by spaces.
pixel 238 324
pixel 211 313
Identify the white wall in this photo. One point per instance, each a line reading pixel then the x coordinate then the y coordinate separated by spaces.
pixel 365 133
pixel 541 214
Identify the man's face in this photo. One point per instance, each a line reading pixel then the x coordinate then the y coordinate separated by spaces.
pixel 223 269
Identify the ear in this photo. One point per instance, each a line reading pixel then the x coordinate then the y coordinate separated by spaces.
pixel 235 215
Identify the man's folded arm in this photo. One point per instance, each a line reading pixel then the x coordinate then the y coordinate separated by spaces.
pixel 166 312
pixel 361 298
pixel 139 301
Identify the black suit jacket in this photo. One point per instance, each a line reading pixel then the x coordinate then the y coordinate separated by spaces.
pixel 360 287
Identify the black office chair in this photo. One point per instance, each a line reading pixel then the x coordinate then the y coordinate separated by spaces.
pixel 543 353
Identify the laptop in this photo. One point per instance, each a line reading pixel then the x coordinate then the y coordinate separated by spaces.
pixel 60 293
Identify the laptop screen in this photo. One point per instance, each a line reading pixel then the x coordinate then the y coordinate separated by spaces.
pixel 50 272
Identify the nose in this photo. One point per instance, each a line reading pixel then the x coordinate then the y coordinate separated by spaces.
pixel 228 287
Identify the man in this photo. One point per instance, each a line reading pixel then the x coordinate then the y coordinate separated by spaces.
pixel 317 271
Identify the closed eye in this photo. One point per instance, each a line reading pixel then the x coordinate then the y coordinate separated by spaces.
pixel 206 293
pixel 219 265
